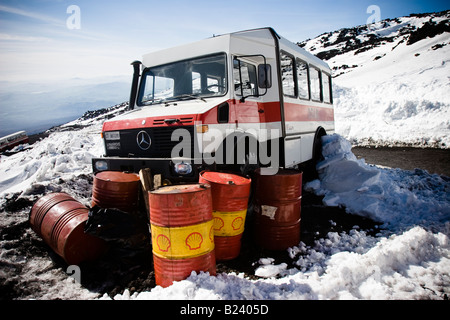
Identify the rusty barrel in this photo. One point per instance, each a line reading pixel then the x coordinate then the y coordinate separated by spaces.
pixel 59 220
pixel 182 232
pixel 230 193
pixel 277 206
pixel 114 189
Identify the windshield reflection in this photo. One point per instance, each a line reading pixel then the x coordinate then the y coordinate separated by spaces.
pixel 189 79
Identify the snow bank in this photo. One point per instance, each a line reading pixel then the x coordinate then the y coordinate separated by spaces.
pixel 395 197
pixel 399 99
pixel 387 90
pixel 62 155
pixel 412 265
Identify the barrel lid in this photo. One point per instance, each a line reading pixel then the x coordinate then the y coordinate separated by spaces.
pixel 182 188
pixel 117 176
pixel 224 178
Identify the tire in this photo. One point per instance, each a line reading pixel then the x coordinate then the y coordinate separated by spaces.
pixel 317 156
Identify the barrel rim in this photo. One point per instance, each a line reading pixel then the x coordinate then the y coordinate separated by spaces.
pixel 124 176
pixel 206 175
pixel 176 188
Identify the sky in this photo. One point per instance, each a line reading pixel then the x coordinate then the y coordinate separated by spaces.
pixel 56 40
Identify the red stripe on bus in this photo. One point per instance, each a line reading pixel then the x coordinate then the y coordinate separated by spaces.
pixel 239 112
pixel 151 122
pixel 301 112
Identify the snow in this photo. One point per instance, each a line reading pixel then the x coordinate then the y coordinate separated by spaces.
pixel 381 194
pixel 62 155
pixel 408 259
pixel 401 97
pixel 412 265
pixel 393 93
pixel 396 98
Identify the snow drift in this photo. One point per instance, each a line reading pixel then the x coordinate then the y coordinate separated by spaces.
pixel 391 80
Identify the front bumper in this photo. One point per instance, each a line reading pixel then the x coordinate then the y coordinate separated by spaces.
pixel 163 166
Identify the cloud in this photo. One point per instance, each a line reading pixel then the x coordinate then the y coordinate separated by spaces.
pixel 12 37
pixel 32 15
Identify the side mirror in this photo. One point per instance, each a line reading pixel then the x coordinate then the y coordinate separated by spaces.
pixel 264 76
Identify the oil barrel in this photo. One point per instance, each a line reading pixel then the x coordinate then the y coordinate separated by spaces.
pixel 277 206
pixel 230 194
pixel 115 189
pixel 182 232
pixel 59 220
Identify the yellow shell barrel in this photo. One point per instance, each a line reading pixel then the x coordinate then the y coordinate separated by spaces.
pixel 181 225
pixel 230 194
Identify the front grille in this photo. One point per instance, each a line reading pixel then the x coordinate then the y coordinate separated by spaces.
pixel 161 146
pixel 182 120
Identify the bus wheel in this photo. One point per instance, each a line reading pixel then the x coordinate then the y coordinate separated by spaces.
pixel 317 145
pixel 311 169
pixel 250 162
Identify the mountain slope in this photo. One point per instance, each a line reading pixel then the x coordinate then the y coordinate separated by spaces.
pixel 391 80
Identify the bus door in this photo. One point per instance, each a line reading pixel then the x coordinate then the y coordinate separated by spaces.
pixel 251 80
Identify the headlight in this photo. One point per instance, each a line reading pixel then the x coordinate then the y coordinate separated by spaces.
pixel 112 135
pixel 101 165
pixel 183 168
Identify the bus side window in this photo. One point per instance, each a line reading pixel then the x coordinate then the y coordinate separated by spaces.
pixel 287 75
pixel 315 83
pixel 302 79
pixel 326 87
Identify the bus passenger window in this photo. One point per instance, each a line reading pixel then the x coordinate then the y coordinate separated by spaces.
pixel 287 75
pixel 315 83
pixel 302 80
pixel 326 86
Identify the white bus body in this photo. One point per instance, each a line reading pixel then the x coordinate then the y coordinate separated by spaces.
pixel 251 84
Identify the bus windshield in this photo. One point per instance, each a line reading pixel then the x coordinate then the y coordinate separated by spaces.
pixel 188 79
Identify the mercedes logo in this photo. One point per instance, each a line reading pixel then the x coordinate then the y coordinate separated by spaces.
pixel 143 140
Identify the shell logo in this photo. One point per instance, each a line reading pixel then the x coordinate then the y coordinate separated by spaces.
pixel 237 223
pixel 194 241
pixel 163 243
pixel 218 223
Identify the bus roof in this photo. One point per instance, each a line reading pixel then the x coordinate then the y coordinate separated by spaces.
pixel 224 43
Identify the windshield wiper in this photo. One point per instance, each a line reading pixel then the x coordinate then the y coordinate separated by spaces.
pixel 187 95
pixel 151 102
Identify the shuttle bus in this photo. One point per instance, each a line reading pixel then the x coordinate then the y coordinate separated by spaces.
pixel 246 99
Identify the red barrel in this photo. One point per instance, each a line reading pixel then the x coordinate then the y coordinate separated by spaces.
pixel 277 209
pixel 59 220
pixel 182 232
pixel 230 193
pixel 113 189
